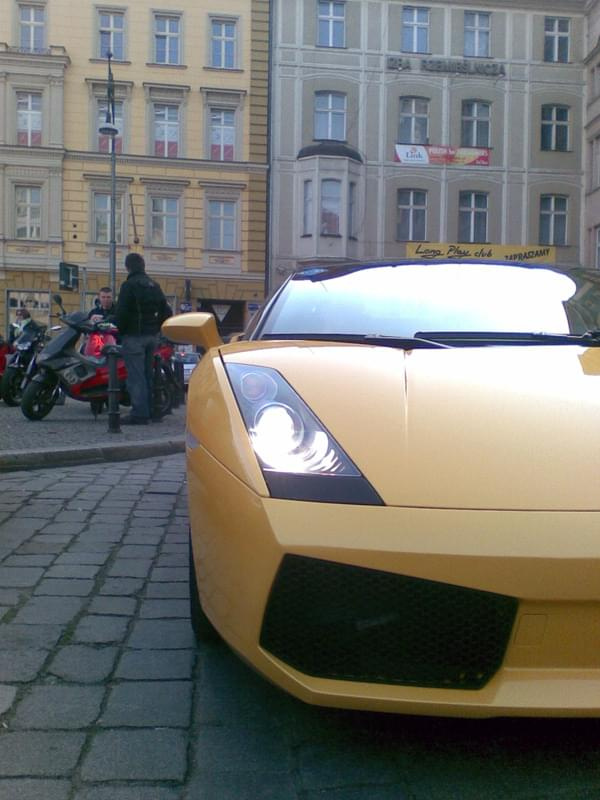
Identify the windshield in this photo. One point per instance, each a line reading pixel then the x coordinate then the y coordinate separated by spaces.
pixel 405 299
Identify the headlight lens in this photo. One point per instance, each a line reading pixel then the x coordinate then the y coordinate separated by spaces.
pixel 299 458
pixel 23 346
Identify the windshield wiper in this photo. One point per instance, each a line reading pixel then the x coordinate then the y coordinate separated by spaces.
pixel 401 342
pixel 482 338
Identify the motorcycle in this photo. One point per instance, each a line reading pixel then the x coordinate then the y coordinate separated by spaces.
pixel 22 364
pixel 61 366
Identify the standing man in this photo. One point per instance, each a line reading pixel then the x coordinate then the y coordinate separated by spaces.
pixel 104 308
pixel 141 310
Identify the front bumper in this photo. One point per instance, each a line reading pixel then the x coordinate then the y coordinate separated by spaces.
pixel 514 629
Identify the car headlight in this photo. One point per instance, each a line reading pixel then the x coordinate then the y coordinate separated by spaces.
pixel 298 456
pixel 23 346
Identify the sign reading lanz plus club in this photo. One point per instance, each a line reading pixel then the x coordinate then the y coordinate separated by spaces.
pixel 458 66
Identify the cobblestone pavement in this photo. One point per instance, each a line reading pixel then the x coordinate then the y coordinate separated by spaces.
pixel 71 434
pixel 103 695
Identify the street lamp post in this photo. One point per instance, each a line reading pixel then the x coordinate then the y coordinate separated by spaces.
pixel 109 129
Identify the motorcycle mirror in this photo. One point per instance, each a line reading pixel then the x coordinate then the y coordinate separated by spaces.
pixel 58 300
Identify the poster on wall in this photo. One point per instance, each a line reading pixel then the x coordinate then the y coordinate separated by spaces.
pixel 439 155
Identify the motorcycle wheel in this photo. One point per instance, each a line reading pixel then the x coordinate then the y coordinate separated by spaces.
pixel 11 386
pixel 39 399
pixel 163 399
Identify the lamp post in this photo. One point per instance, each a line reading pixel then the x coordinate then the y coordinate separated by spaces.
pixel 109 129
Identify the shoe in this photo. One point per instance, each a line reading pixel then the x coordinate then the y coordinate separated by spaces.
pixel 129 420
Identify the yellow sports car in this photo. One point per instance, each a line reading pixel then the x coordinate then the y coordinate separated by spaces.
pixel 394 487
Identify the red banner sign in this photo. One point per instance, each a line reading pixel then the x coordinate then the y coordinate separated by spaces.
pixel 424 154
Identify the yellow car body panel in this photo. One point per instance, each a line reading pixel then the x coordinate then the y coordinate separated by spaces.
pixel 518 515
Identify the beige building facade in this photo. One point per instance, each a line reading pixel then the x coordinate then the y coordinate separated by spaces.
pixel 190 101
pixel 405 129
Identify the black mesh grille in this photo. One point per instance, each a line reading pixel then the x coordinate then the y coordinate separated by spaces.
pixel 348 623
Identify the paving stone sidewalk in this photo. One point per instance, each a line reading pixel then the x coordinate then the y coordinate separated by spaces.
pixel 96 649
pixel 71 435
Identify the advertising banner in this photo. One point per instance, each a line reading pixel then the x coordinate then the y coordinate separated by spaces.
pixel 536 253
pixel 423 154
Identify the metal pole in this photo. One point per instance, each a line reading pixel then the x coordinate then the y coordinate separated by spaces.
pixel 114 416
pixel 113 182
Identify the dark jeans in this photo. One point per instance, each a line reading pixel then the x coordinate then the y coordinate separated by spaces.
pixel 138 354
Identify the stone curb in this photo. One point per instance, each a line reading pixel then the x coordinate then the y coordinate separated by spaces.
pixel 43 459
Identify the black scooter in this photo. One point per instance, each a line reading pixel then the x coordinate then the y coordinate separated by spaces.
pixel 23 363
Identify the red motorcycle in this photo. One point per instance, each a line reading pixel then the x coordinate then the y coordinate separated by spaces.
pixel 61 365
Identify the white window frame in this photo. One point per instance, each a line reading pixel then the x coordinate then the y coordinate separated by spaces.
pixel 476 124
pixel 169 36
pixel 118 122
pixel 225 220
pixel 166 125
pixel 413 28
pixel 224 42
pixel 98 213
pixel 472 213
pixel 555 125
pixel 112 30
pixel 32 116
pixel 328 116
pixel 554 215
pixel 477 33
pixel 307 208
pixel 351 223
pixel 335 202
pixel 329 23
pixel 32 27
pixel 410 112
pixel 220 132
pixel 33 212
pixel 165 215
pixel 555 38
pixel 414 212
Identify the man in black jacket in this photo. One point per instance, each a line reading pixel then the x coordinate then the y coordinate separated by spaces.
pixel 141 310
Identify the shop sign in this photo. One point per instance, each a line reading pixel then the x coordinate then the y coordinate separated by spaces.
pixel 424 154
pixel 433 251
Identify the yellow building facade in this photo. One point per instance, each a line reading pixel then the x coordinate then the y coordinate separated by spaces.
pixel 190 111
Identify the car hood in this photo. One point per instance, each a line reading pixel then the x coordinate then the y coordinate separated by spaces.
pixel 512 428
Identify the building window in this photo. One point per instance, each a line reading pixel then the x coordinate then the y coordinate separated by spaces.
pixel 101 221
pixel 32 27
pixel 222 134
pixel 472 216
pixel 330 116
pixel 556 39
pixel 28 202
pixel 331 207
pixel 477 34
pixel 223 44
pixel 553 219
pixel 307 208
pixel 414 120
pixel 164 221
pixel 597 248
pixel 351 222
pixel 332 23
pixel 166 130
pixel 412 215
pixel 555 128
pixel 103 139
pixel 475 124
pixel 167 39
pixel 112 35
pixel 29 119
pixel 415 29
pixel 222 222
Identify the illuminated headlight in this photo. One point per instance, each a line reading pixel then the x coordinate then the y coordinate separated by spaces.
pixel 23 346
pixel 291 444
